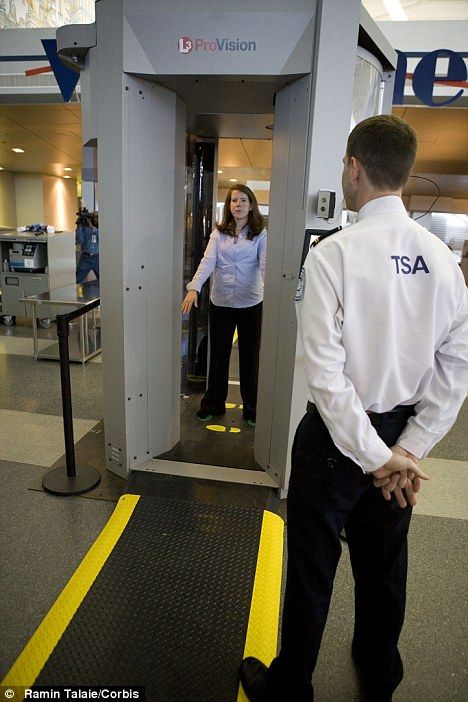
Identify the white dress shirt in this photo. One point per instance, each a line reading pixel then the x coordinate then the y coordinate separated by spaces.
pixel 238 265
pixel 384 322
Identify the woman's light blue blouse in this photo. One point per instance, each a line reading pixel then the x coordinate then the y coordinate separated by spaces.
pixel 238 265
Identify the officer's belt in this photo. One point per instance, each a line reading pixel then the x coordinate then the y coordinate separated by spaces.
pixel 400 412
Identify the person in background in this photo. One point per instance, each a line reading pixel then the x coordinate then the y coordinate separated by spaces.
pixel 236 255
pixel 87 238
pixel 383 317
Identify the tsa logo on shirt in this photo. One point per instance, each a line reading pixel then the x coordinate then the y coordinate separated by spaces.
pixel 403 264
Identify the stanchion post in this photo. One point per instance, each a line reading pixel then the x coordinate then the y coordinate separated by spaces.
pixel 62 333
pixel 72 481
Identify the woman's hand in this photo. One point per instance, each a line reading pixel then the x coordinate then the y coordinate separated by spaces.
pixel 189 300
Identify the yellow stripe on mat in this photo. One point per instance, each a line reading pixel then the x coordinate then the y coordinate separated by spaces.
pixel 262 630
pixel 34 656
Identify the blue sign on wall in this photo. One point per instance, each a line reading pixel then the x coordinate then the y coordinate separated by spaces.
pixel 424 77
pixel 65 77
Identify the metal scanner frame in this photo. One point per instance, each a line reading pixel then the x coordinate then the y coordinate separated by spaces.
pixel 139 92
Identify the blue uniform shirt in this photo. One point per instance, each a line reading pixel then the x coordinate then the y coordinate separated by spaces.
pixel 88 239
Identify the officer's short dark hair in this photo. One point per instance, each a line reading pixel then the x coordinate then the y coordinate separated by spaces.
pixel 386 147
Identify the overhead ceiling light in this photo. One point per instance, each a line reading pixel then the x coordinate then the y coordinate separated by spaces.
pixel 18 151
pixel 219 171
pixel 395 10
pixel 68 169
pixel 1 168
pixel 66 176
pixel 233 180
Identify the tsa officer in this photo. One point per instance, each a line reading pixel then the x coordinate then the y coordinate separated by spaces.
pixel 383 322
pixel 87 238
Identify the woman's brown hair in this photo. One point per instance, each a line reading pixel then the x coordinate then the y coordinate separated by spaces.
pixel 255 221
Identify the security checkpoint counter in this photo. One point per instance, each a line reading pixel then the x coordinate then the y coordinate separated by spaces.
pixel 85 341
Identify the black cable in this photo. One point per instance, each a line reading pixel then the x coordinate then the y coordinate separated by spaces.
pixel 436 197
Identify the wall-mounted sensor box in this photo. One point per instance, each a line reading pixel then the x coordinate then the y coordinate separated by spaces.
pixel 326 204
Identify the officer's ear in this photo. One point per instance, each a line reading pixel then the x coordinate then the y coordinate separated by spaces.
pixel 355 169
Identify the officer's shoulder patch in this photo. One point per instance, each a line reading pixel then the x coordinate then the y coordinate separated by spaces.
pixel 325 235
pixel 319 239
pixel 300 286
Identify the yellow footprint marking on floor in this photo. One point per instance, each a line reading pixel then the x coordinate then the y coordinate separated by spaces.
pixel 230 405
pixel 219 427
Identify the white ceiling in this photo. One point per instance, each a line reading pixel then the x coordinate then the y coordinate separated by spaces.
pixel 49 134
pixel 421 9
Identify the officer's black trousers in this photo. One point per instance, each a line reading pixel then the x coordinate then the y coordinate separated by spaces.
pixel 327 492
pixel 223 321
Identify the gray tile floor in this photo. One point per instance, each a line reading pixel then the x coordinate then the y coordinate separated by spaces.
pixel 43 538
